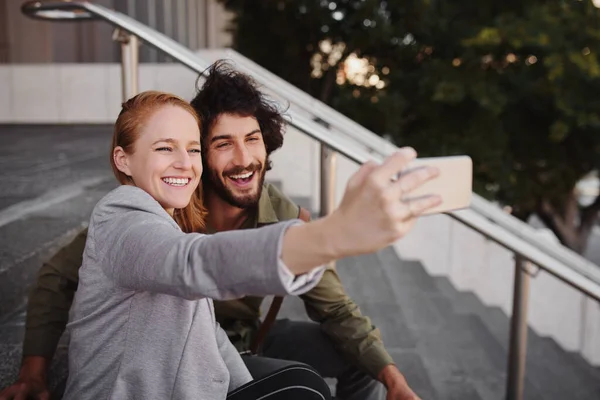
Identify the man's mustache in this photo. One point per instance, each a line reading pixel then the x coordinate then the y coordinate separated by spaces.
pixel 255 166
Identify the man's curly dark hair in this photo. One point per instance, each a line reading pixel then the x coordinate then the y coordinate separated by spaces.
pixel 227 91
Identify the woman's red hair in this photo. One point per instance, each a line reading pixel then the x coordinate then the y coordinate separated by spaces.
pixel 135 112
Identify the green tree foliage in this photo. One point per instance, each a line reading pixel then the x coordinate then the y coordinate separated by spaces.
pixel 514 84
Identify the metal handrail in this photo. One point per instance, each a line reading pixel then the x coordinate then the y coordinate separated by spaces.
pixel 377 145
pixel 355 142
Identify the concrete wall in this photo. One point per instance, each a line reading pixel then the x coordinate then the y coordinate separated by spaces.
pixel 78 93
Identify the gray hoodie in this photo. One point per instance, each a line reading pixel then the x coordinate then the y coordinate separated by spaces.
pixel 142 324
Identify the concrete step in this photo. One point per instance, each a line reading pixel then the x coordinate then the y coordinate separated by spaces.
pixel 27 242
pixel 585 379
pixel 498 356
pixel 578 362
pixel 47 196
pixel 31 239
pixel 35 159
pixel 11 339
pixel 12 330
pixel 551 372
pixel 52 176
pixel 458 365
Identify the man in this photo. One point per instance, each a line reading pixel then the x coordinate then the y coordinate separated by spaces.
pixel 240 128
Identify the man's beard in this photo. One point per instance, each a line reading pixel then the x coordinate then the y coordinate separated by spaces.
pixel 216 183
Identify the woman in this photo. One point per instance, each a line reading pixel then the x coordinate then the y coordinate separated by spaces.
pixel 142 324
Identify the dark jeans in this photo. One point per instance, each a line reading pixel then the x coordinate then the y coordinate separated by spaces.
pixel 292 382
pixel 305 342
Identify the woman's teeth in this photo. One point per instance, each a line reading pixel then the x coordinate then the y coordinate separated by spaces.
pixel 176 181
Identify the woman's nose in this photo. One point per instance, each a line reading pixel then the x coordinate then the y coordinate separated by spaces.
pixel 183 161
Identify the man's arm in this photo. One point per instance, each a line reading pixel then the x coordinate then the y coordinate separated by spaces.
pixel 328 304
pixel 51 299
pixel 341 319
pixel 353 334
pixel 47 316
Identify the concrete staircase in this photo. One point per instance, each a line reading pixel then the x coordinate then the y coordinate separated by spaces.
pixel 52 176
pixel 448 344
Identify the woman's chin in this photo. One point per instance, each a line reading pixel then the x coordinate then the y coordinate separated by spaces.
pixel 170 205
pixel 181 205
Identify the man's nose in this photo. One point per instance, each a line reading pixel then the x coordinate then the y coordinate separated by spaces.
pixel 242 156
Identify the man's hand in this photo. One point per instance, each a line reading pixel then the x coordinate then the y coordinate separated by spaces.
pixel 31 382
pixel 396 384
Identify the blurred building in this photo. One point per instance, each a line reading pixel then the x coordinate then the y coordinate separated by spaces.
pixel 196 24
pixel 57 72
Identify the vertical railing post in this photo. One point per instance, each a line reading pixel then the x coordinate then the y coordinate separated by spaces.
pixel 327 189
pixel 517 352
pixel 327 183
pixel 129 63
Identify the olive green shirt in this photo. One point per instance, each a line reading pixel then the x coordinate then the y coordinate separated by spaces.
pixel 327 303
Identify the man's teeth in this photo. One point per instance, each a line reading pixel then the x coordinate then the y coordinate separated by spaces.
pixel 176 181
pixel 242 176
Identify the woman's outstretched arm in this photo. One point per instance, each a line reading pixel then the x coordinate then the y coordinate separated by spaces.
pixel 140 247
pixel 370 216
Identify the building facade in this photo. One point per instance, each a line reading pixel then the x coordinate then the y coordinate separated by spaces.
pixel 197 24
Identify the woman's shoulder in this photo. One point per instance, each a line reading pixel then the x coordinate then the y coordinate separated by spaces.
pixel 127 195
pixel 126 199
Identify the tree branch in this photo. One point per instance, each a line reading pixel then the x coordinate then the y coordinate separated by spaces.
pixel 571 209
pixel 557 221
pixel 328 83
pixel 589 216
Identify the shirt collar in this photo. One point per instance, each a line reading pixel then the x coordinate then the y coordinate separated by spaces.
pixel 266 212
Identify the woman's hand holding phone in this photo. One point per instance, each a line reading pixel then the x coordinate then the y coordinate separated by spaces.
pixel 380 205
pixel 372 213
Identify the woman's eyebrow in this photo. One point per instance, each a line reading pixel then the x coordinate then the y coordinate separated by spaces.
pixel 167 140
pixel 173 141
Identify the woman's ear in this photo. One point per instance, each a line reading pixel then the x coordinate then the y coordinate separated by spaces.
pixel 120 159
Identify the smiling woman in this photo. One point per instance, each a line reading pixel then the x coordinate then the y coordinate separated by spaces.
pixel 148 155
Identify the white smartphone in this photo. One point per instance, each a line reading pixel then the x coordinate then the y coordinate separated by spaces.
pixel 454 184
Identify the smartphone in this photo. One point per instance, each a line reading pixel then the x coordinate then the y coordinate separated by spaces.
pixel 454 184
